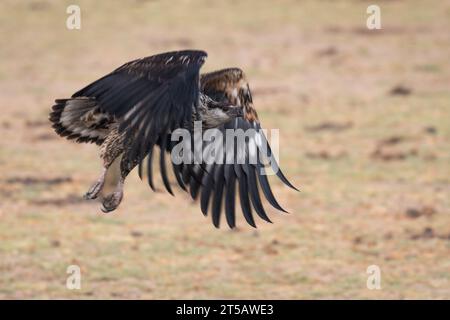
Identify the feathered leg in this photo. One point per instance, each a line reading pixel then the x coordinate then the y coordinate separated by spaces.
pixel 111 153
pixel 113 192
pixel 110 149
pixel 109 186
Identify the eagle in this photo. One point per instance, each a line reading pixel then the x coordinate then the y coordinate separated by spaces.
pixel 139 106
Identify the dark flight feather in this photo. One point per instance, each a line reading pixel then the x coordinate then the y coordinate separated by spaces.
pixel 152 95
pixel 219 180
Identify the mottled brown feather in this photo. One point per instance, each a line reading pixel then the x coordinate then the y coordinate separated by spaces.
pixel 232 84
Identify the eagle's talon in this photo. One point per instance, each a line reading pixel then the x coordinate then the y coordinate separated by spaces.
pixel 94 190
pixel 111 201
pixel 106 210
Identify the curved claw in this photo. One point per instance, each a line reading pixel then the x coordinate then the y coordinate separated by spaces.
pixel 111 201
pixel 96 187
pixel 94 190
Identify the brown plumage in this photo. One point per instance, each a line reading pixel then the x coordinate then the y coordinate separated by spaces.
pixel 230 84
pixel 137 106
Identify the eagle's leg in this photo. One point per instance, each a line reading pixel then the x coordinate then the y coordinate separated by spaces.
pixel 112 149
pixel 112 200
pixel 96 187
pixel 121 168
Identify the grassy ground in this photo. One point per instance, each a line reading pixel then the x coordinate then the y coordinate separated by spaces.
pixel 365 132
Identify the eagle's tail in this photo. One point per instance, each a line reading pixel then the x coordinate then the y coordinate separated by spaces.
pixel 80 119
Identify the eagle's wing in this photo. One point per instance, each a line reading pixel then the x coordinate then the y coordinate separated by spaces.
pixel 150 97
pixel 217 182
pixel 81 119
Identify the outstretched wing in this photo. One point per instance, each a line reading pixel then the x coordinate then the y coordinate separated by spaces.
pixel 150 96
pixel 241 167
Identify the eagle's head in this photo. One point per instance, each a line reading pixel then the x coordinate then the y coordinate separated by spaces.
pixel 215 114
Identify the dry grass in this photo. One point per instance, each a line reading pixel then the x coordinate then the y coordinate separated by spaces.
pixel 373 167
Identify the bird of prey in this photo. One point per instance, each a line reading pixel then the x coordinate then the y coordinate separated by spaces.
pixel 137 107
